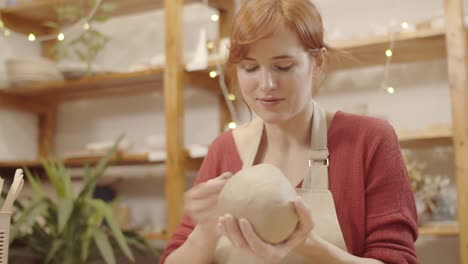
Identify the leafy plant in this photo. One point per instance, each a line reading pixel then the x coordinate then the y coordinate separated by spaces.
pixel 70 229
pixel 87 45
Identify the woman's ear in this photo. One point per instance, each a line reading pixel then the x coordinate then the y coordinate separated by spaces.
pixel 319 58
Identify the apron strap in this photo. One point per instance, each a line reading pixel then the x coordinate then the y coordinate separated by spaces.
pixel 257 137
pixel 318 157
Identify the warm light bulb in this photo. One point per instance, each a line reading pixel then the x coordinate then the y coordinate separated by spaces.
pixel 86 26
pixel 1 24
pixel 6 33
pixel 61 37
pixel 232 125
pixel 31 37
pixel 390 90
pixel 213 74
pixel 389 53
pixel 404 25
pixel 232 97
pixel 215 17
pixel 209 44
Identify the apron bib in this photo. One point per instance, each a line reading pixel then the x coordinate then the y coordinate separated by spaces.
pixel 315 193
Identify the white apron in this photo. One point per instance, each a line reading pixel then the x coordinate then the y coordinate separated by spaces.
pixel 314 191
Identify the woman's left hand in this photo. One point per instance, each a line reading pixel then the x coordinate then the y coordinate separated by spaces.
pixel 242 235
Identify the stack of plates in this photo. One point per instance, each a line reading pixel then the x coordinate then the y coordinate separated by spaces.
pixel 28 70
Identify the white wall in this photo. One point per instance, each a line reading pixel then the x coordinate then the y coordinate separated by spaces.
pixel 18 130
pixel 422 97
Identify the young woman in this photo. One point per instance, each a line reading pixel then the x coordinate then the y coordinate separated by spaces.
pixel 351 164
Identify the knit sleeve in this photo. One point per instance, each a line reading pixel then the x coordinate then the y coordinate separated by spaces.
pixel 391 218
pixel 208 170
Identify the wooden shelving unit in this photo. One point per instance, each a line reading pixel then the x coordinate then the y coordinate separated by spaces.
pixel 28 17
pixel 105 85
pixel 426 139
pixel 444 230
pixel 120 159
pixel 408 47
pixel 43 98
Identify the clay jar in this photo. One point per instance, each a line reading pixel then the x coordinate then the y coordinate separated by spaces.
pixel 264 196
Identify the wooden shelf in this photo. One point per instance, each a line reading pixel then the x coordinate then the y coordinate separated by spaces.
pixel 119 160
pixel 408 47
pixel 28 17
pixel 443 230
pixel 425 139
pixel 104 85
pixel 155 236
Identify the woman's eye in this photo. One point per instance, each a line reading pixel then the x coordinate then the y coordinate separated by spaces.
pixel 284 68
pixel 251 69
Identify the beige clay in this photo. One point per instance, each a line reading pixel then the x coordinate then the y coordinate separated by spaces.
pixel 264 196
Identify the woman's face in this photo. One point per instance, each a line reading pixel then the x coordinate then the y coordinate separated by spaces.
pixel 276 77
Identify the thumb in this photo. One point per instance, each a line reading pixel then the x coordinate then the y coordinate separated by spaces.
pixel 226 175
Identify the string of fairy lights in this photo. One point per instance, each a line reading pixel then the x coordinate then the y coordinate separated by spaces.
pixel 229 97
pixel 84 24
pixel 81 24
pixel 389 53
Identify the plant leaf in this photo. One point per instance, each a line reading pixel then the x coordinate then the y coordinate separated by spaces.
pixel 93 222
pixel 50 24
pixel 100 18
pixel 116 232
pixel 104 246
pixel 52 174
pixel 66 180
pixel 28 217
pixel 65 210
pixel 108 7
pixel 101 166
pixel 80 55
pixel 56 245
pixel 35 184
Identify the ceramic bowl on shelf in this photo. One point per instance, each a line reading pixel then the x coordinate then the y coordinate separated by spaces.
pixel 101 147
pixel 22 71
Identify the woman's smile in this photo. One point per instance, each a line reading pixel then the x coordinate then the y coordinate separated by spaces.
pixel 270 101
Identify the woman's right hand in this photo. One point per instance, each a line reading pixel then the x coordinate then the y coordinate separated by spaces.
pixel 201 204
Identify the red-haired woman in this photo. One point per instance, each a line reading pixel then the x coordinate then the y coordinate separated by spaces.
pixel 351 164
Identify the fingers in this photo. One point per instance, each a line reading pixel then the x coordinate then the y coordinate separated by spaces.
pixel 254 242
pixel 230 227
pixel 204 206
pixel 305 217
pixel 304 225
pixel 212 186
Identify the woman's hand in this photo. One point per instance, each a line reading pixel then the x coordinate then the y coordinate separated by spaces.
pixel 242 235
pixel 201 204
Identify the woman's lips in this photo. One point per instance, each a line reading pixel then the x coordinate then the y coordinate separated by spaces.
pixel 270 101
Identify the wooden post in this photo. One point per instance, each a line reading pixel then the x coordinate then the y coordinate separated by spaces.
pixel 226 18
pixel 174 108
pixel 46 131
pixel 458 71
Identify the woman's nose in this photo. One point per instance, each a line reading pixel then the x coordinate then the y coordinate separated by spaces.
pixel 267 81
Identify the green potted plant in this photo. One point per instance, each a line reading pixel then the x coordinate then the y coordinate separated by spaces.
pixel 70 228
pixel 89 42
